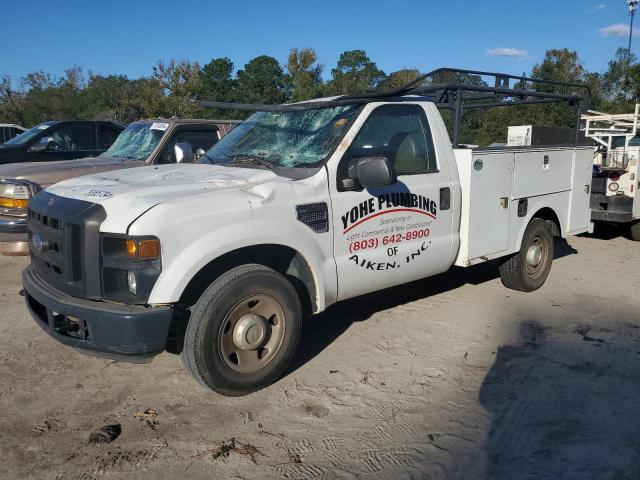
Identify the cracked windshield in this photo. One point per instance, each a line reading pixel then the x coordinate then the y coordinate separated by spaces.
pixel 283 139
pixel 137 141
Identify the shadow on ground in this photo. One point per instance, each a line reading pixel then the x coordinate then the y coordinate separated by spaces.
pixel 322 330
pixel 609 231
pixel 564 404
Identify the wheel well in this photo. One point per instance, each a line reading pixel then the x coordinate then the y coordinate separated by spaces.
pixel 282 259
pixel 552 220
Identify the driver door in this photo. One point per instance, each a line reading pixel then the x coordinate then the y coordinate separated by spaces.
pixel 390 235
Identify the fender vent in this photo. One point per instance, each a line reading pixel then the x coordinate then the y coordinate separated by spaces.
pixel 314 215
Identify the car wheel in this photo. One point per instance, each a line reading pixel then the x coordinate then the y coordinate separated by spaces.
pixel 243 330
pixel 528 269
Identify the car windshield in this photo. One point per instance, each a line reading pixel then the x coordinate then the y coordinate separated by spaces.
pixel 27 135
pixel 137 141
pixel 283 139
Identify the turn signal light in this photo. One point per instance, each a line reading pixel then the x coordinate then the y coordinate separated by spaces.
pixel 13 202
pixel 132 248
pixel 146 249
pixel 149 249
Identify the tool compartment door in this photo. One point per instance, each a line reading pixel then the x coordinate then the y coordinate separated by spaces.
pixel 486 180
pixel 579 212
pixel 489 208
pixel 540 172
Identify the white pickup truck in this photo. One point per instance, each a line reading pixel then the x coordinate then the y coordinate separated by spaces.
pixel 291 212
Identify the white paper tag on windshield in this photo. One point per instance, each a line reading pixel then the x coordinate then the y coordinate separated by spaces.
pixel 43 127
pixel 159 126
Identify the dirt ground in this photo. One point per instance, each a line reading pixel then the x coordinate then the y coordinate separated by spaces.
pixel 450 377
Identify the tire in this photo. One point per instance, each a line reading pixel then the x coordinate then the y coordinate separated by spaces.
pixel 634 230
pixel 230 346
pixel 516 272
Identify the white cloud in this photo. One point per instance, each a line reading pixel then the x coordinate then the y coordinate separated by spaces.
pixel 617 30
pixel 507 52
pixel 598 8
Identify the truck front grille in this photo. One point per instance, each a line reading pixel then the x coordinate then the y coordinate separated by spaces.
pixel 59 231
pixel 55 239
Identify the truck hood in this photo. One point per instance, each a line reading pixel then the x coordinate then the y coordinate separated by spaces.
pixel 127 195
pixel 48 173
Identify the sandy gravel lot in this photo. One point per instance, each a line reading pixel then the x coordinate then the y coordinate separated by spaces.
pixel 449 377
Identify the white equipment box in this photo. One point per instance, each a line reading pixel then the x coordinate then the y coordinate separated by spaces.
pixel 501 189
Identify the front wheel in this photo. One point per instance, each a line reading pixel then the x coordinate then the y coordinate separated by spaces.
pixel 528 269
pixel 243 331
pixel 634 229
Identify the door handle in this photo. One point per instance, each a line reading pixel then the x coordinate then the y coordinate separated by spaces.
pixel 504 202
pixel 445 198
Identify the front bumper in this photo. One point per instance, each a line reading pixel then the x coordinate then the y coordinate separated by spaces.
pixel 13 237
pixel 122 332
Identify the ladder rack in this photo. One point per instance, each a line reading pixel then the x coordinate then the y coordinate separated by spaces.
pixel 605 129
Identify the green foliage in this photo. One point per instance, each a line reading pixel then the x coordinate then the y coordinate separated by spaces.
pixel 217 83
pixel 399 78
pixel 305 75
pixel 113 97
pixel 262 81
pixel 354 73
pixel 559 65
pixel 173 88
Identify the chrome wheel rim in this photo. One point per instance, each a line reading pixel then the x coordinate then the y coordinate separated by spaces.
pixel 251 333
pixel 536 257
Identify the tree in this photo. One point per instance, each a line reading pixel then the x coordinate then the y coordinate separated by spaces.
pixel 559 65
pixel 11 103
pixel 304 74
pixel 216 80
pixel 262 81
pixel 613 81
pixel 217 84
pixel 113 97
pixel 50 98
pixel 399 78
pixel 171 91
pixel 354 73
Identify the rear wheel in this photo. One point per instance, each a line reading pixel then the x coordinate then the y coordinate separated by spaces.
pixel 528 269
pixel 243 331
pixel 635 231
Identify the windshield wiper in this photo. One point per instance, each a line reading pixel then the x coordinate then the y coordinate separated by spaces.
pixel 250 160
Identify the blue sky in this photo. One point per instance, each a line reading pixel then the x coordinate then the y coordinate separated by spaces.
pixel 129 37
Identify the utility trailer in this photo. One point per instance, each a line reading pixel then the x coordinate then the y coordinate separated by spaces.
pixel 297 208
pixel 615 184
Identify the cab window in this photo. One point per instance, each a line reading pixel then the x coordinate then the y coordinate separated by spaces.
pixel 400 133
pixel 198 139
pixel 71 138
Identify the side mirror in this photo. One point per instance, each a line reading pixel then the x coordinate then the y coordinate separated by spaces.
pixel 371 172
pixel 199 153
pixel 42 145
pixel 184 152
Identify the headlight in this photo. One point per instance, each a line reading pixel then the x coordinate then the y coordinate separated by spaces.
pixel 17 193
pixel 614 187
pixel 130 267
